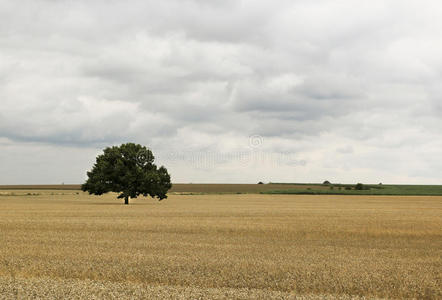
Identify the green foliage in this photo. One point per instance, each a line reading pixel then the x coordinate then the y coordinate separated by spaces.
pixel 129 170
pixel 359 187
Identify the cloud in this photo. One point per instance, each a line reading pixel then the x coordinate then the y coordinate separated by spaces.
pixel 352 90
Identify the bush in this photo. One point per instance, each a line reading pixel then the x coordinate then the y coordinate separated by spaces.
pixel 326 182
pixel 260 182
pixel 359 187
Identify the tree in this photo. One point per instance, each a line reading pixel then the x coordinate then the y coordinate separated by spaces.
pixel 129 170
pixel 359 186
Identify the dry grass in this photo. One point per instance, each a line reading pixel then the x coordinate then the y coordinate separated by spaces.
pixel 41 187
pixel 62 245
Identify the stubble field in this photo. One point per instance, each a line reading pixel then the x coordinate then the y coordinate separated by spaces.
pixel 67 244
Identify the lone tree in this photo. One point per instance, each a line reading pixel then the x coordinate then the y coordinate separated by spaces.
pixel 129 170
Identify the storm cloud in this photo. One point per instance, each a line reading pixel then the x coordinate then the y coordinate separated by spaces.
pixel 223 91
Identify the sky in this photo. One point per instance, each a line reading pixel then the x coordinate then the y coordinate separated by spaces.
pixel 232 91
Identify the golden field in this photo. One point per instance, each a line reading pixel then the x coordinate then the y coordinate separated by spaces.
pixel 67 244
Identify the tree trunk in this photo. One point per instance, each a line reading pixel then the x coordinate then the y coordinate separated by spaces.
pixel 126 200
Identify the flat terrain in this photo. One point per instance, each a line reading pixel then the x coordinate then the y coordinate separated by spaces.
pixel 350 189
pixel 273 188
pixel 188 188
pixel 67 244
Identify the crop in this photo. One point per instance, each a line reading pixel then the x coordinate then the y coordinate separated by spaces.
pixel 66 244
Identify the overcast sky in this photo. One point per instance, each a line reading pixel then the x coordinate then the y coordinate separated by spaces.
pixel 224 91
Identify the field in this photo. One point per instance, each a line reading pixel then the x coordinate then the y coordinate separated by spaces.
pixel 274 188
pixel 350 189
pixel 67 244
pixel 186 188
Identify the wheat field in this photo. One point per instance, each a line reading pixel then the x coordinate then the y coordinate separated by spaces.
pixel 67 244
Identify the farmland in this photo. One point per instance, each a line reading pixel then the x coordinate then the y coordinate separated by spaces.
pixel 185 188
pixel 350 189
pixel 273 188
pixel 67 244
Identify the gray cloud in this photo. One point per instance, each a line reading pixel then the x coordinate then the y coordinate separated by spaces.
pixel 352 90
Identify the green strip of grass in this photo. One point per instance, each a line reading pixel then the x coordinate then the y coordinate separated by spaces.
pixel 344 189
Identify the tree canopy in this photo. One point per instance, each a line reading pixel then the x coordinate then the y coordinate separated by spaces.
pixel 128 169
